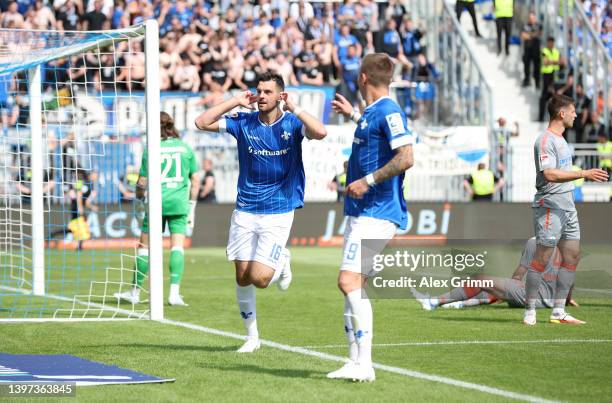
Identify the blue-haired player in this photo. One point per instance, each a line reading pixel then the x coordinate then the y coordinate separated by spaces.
pixel 270 187
pixel 375 206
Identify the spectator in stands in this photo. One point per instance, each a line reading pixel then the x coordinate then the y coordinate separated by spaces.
pixel 217 79
pixel 250 73
pixel 424 74
pixel 551 63
pixel 343 40
pixel 127 184
pixel 338 183
pixel 11 18
pixel 595 128
pixel 395 12
pixel 207 188
pixel 67 17
pixel 504 11
pixel 411 39
pixel 350 65
pixel 23 181
pixel 95 20
pixel 583 105
pixel 482 184
pixel 392 43
pixel 361 30
pixel 132 73
pixel 9 111
pixel 530 35
pixel 311 75
pixel 325 58
pixel 281 65
pixel 186 76
pixel 44 17
pixel 604 152
pixel 469 5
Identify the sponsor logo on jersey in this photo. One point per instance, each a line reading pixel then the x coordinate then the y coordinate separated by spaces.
pixel 269 153
pixel 395 123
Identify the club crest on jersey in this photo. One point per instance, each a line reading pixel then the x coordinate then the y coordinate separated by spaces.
pixel 286 135
pixel 364 124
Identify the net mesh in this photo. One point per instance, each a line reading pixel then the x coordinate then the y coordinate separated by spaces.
pixel 93 134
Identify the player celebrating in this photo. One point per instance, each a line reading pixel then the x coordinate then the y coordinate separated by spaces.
pixel 511 290
pixel 555 217
pixel 270 187
pixel 179 171
pixel 382 152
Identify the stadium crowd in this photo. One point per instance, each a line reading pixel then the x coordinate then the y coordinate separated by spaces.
pixel 215 46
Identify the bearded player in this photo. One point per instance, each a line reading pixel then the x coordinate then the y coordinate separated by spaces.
pixel 270 187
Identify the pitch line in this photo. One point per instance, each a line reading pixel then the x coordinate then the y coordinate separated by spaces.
pixel 472 342
pixel 396 370
pixel 312 353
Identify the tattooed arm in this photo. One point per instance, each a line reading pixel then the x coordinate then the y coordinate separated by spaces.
pixel 401 161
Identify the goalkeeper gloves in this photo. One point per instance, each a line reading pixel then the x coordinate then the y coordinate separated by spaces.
pixel 191 216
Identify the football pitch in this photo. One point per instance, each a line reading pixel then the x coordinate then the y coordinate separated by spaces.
pixel 475 354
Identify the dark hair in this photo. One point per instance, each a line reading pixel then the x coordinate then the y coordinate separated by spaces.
pixel 556 103
pixel 269 76
pixel 167 127
pixel 378 68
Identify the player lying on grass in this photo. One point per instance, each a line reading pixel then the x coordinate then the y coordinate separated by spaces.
pixel 270 187
pixel 178 172
pixel 374 203
pixel 510 290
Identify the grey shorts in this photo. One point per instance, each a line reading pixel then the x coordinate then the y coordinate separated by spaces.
pixel 553 225
pixel 516 295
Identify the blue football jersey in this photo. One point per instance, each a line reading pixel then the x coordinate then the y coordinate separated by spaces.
pixel 381 129
pixel 271 178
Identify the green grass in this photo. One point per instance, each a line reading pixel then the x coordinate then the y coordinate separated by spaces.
pixel 310 314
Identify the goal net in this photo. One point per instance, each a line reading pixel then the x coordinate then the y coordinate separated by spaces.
pixel 78 109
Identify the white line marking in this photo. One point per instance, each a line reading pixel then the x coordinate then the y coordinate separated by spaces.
pixel 387 368
pixel 599 290
pixel 471 342
pixel 336 358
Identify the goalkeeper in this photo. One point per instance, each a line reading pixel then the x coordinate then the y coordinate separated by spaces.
pixel 178 171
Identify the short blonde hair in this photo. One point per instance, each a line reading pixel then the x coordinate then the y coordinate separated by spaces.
pixel 378 68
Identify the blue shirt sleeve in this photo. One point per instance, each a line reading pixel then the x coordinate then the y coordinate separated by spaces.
pixel 298 127
pixel 231 123
pixel 395 127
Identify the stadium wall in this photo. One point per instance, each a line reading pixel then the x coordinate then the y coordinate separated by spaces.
pixel 322 224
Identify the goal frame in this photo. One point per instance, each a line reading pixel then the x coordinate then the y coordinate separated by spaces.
pixel 152 109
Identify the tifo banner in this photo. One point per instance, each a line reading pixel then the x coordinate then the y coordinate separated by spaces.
pixel 67 368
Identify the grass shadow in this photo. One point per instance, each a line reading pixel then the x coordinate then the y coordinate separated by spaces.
pixel 278 372
pixel 175 347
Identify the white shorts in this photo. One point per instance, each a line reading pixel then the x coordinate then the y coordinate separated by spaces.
pixel 258 237
pixel 359 228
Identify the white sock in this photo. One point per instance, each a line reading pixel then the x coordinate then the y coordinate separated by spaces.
pixel 136 292
pixel 348 328
pixel 174 290
pixel 434 302
pixel 362 323
pixel 558 311
pixel 246 304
